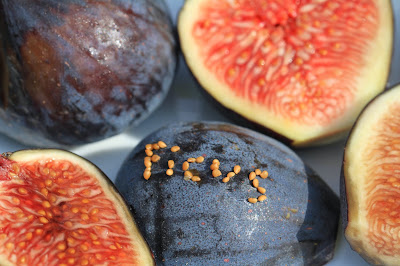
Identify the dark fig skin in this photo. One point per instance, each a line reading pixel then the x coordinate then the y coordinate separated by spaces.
pixel 210 222
pixel 78 71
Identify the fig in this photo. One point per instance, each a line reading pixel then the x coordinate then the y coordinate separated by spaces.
pixel 300 71
pixel 57 208
pixel 370 181
pixel 219 193
pixel 75 72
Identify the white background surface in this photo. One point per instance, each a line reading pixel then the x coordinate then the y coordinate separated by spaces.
pixel 185 103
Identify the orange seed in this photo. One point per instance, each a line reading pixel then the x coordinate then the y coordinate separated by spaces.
pixel 188 174
pixel 191 160
pixel 16 200
pixel 155 146
pixel 85 216
pixel 46 204
pixel 216 173
pixel 93 236
pixel 171 164
pixel 258 172
pixel 94 211
pixel 225 179
pixel 262 198
pixel 149 147
pixel 161 144
pixel 169 172
pixel 61 246
pixel 22 191
pixel 147 163
pixel 264 174
pixel 196 178
pixel 252 200
pixel 252 175
pixel 185 166
pixel 16 168
pixel 149 152
pixel 175 148
pixel 261 190
pixel 214 166
pixel 155 158
pixel 236 169
pixel 46 171
pixel 200 159
pixel 22 260
pixel 255 182
pixel 216 161
pixel 230 174
pixel 29 235
pixel 44 191
pixel 52 198
pixel 68 224
pixel 43 220
pixel 146 174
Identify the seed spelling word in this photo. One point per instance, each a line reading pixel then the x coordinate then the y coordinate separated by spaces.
pixel 188 175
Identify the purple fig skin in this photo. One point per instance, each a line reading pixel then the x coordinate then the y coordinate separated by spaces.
pixel 78 71
pixel 210 222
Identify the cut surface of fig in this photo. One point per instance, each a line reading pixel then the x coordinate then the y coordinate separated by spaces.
pixel 303 69
pixel 57 208
pixel 232 196
pixel 371 181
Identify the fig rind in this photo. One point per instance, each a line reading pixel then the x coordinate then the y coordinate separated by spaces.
pixel 364 142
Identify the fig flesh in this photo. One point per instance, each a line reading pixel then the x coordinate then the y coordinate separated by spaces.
pixel 371 180
pixel 298 70
pixel 57 208
pixel 79 71
pixel 212 221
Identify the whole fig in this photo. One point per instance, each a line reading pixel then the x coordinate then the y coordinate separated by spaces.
pixel 78 71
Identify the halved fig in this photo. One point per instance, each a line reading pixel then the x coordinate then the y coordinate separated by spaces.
pixel 371 180
pixel 215 193
pixel 57 208
pixel 300 70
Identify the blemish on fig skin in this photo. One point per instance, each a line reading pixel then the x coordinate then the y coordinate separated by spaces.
pixel 218 149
